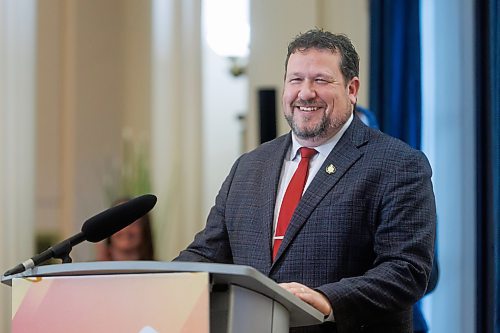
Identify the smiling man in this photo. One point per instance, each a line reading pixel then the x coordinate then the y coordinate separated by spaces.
pixel 317 100
pixel 341 215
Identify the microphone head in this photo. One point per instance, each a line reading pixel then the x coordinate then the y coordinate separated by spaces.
pixel 106 223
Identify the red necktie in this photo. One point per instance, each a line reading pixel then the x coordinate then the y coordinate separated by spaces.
pixel 292 196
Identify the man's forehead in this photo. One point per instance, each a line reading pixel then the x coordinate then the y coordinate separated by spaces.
pixel 297 55
pixel 320 49
pixel 302 52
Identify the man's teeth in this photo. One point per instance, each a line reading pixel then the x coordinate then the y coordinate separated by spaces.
pixel 308 108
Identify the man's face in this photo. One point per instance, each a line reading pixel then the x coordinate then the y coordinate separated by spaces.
pixel 316 100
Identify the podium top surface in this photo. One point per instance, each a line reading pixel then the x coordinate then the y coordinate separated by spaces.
pixel 301 313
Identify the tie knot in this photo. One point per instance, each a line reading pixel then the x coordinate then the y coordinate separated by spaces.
pixel 307 152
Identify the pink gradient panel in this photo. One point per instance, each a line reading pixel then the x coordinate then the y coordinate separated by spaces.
pixel 135 303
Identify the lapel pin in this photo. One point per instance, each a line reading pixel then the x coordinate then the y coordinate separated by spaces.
pixel 330 169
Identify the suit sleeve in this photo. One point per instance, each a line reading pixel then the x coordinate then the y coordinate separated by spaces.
pixel 212 243
pixel 403 247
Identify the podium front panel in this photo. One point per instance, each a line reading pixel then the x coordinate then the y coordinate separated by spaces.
pixel 224 281
pixel 135 303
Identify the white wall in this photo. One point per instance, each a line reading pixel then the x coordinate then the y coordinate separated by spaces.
pixel 224 99
pixel 176 126
pixel 17 139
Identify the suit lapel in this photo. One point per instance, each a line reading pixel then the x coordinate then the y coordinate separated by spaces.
pixel 269 188
pixel 342 157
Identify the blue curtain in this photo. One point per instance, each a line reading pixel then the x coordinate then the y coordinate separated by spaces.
pixel 488 165
pixel 395 92
pixel 495 143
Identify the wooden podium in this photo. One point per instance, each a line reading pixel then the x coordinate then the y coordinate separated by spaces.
pixel 153 297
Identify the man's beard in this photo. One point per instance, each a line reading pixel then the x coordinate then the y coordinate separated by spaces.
pixel 317 131
pixel 321 129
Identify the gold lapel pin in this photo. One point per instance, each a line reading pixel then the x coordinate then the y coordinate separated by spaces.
pixel 330 169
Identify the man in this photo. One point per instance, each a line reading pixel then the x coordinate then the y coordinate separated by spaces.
pixel 359 244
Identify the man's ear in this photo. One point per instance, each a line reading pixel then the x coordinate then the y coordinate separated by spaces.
pixel 353 88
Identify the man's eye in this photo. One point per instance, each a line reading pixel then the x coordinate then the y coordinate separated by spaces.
pixel 321 81
pixel 295 79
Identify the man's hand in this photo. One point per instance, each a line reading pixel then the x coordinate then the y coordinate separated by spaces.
pixel 308 295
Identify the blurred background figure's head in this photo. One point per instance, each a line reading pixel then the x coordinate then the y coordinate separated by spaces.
pixel 134 242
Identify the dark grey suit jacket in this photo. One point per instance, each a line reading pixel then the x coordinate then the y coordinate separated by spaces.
pixel 363 235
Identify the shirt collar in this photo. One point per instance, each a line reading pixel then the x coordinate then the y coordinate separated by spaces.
pixel 323 149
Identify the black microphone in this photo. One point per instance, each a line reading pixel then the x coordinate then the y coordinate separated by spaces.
pixel 95 229
pixel 116 218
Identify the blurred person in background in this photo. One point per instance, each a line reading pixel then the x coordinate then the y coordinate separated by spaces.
pixel 134 242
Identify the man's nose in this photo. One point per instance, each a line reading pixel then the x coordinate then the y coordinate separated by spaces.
pixel 307 91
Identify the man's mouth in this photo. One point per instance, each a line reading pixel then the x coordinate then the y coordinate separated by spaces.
pixel 308 108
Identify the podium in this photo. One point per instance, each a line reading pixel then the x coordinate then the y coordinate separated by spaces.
pixel 150 296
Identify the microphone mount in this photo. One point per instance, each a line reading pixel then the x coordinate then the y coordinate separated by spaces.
pixel 58 251
pixel 63 249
